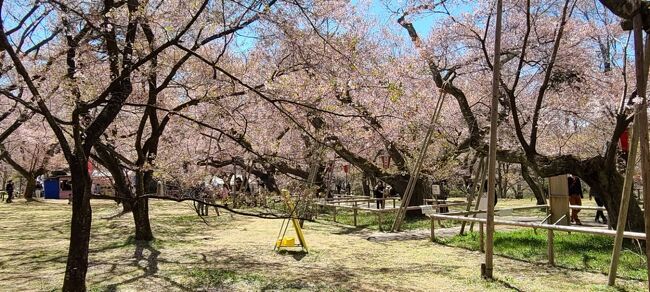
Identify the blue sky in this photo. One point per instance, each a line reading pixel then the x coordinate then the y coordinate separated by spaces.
pixel 384 12
pixel 380 10
pixel 423 23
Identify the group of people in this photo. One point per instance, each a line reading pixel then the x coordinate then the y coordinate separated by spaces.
pixel 343 186
pixel 10 189
pixel 576 196
pixel 381 192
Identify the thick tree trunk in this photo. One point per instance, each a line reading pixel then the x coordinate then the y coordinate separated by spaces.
pixel 537 191
pixel 141 219
pixel 611 188
pixel 77 264
pixel 365 188
pixel 603 177
pixel 422 190
pixel 30 188
pixel 145 184
pixel 127 206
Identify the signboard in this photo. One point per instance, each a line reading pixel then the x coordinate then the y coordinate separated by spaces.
pixel 559 200
pixel 435 189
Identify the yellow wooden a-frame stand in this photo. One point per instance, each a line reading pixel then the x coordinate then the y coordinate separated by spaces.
pixel 285 241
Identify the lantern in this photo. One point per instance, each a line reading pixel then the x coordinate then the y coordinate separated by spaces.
pixel 624 141
pixel 385 161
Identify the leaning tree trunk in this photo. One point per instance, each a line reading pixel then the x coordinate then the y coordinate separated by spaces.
pixel 603 178
pixel 127 206
pixel 122 188
pixel 610 185
pixel 77 263
pixel 537 191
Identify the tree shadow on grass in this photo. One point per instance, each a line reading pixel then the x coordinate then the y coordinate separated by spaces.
pixel 296 254
pixel 150 268
pixel 506 284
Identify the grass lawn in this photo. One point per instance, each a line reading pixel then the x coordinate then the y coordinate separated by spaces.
pixel 574 251
pixel 235 253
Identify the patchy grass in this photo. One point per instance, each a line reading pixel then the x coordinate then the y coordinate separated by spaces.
pixel 235 253
pixel 574 251
pixel 370 220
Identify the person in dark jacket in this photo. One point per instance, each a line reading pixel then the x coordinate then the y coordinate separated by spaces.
pixel 379 194
pixel 9 188
pixel 575 197
pixel 600 203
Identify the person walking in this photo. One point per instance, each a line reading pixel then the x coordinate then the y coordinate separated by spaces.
pixel 9 188
pixel 379 194
pixel 575 197
pixel 485 192
pixel 599 201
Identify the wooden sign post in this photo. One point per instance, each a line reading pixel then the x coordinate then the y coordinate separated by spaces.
pixel 559 200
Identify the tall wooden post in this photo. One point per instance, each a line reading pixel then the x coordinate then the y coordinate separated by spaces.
pixel 492 155
pixel 642 122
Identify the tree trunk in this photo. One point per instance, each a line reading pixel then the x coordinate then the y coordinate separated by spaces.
pixel 127 206
pixel 30 188
pixel 364 186
pixel 145 184
pixel 77 263
pixel 141 219
pixel 603 177
pixel 422 190
pixel 611 186
pixel 537 191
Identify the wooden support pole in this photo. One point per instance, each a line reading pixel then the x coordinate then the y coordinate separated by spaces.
pixel 549 247
pixel 625 202
pixel 473 193
pixel 642 123
pixel 433 232
pixel 355 217
pixel 480 194
pixel 413 179
pixel 492 153
pixel 334 214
